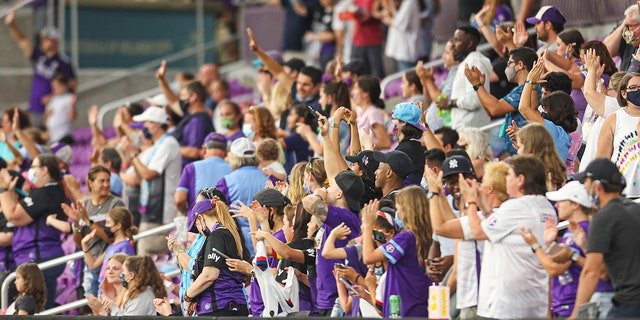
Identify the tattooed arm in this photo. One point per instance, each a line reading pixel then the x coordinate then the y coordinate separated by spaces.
pixel 315 204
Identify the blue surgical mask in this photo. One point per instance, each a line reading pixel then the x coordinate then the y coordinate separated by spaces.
pixel 147 134
pixel 634 97
pixel 32 175
pixel 303 100
pixel 307 189
pixel 247 131
pixel 399 221
pixel 378 270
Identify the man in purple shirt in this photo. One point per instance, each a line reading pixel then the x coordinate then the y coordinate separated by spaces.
pixel 203 173
pixel 196 123
pixel 47 63
pixel 340 202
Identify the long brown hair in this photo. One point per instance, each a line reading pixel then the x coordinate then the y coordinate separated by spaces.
pixel 221 212
pixel 416 217
pixel 265 124
pixel 146 274
pixel 538 142
pixel 124 217
pixel 33 284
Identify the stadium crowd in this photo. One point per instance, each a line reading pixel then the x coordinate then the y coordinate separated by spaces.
pixel 315 200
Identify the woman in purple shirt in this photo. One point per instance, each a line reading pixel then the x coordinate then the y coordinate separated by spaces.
pixel 405 252
pixel 217 291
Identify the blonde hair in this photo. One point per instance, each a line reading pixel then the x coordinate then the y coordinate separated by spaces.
pixel 221 212
pixel 495 175
pixel 477 144
pixel 237 162
pixel 296 183
pixel 537 141
pixel 280 99
pixel 416 217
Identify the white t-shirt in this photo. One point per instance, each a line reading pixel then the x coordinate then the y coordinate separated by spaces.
pixel 467 282
pixel 592 133
pixel 347 26
pixel 59 121
pixel 166 160
pixel 402 37
pixel 513 283
pixel 469 111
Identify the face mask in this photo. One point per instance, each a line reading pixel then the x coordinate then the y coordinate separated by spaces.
pixel 594 198
pixel 205 229
pixel 303 100
pixel 307 189
pixel 628 36
pixel 247 131
pixel 634 97
pixel 184 105
pixel 32 175
pixel 566 54
pixel 108 232
pixel 124 282
pixel 398 221
pixel 378 270
pixel 460 55
pixel 395 129
pixel 510 73
pixel 226 123
pixel 147 134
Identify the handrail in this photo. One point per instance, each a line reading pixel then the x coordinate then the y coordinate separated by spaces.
pixel 83 302
pixel 74 256
pixel 149 65
pixel 5 9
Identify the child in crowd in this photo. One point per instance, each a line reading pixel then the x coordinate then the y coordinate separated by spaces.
pixel 60 111
pixel 30 285
pixel 269 155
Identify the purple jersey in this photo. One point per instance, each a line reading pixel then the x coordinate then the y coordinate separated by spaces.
pixel 325 281
pixel 44 69
pixel 406 277
pixel 565 286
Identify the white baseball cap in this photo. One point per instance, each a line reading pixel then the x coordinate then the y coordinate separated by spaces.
pixel 153 114
pixel 243 148
pixel 572 191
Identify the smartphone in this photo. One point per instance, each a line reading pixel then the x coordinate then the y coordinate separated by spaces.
pixel 349 286
pixel 220 253
pixel 340 266
pixel 553 248
pixel 313 112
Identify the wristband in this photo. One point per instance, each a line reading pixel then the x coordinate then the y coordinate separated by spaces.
pixel 477 86
pixel 530 82
pixel 186 297
pixel 535 247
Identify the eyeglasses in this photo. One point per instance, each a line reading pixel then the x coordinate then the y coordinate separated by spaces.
pixel 510 62
pixel 310 164
pixel 633 87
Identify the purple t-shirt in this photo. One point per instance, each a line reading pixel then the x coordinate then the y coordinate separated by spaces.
pixel 202 174
pixel 565 287
pixel 354 259
pixel 118 247
pixel 406 277
pixel 325 281
pixel 193 136
pixel 234 136
pixel 44 69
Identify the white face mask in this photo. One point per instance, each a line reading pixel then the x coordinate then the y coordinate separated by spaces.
pixel 247 131
pixel 32 175
pixel 510 73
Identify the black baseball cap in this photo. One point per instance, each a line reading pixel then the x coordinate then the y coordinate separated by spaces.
pixel 356 66
pixel 272 198
pixel 352 187
pixel 365 159
pixel 399 162
pixel 295 64
pixel 456 164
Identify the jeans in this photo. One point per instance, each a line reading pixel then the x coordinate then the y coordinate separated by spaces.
pixel 624 311
pixel 90 282
pixel 605 303
pixel 371 56
pixel 51 282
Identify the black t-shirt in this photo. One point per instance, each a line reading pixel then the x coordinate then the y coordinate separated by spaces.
pixel 414 149
pixel 307 246
pixel 45 201
pixel 27 304
pixel 222 240
pixel 614 233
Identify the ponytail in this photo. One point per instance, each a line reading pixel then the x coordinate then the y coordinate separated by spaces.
pixel 225 220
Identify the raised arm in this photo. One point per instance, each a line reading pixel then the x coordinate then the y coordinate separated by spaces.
pixel 528 106
pixel 334 163
pixel 171 96
pixel 26 46
pixel 489 102
pixel 595 99
pixel 271 64
pixel 443 221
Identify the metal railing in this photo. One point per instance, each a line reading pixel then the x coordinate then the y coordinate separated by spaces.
pixel 9 6
pixel 74 256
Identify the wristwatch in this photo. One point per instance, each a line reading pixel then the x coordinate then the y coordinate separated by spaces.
pixel 535 247
pixel 469 203
pixel 432 194
pixel 477 86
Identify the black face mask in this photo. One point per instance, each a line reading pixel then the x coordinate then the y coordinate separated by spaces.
pixel 460 55
pixel 184 105
pixel 108 232
pixel 124 282
pixel 146 133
